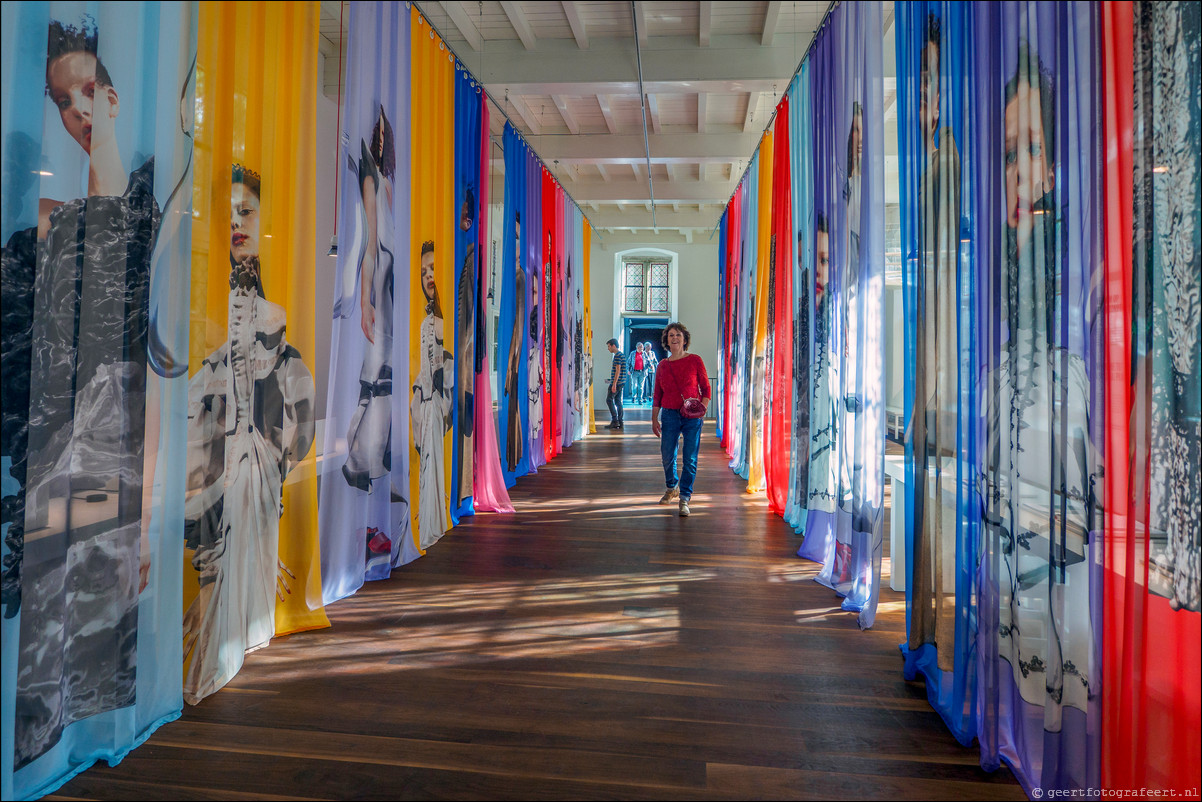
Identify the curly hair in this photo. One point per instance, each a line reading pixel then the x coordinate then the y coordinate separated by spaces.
pixel 663 338
pixel 247 177
pixel 63 40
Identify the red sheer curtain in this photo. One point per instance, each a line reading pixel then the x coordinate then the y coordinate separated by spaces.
pixel 546 309
pixel 779 424
pixel 1151 699
pixel 734 224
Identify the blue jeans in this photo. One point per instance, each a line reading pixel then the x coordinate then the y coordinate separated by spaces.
pixel 672 426
pixel 614 400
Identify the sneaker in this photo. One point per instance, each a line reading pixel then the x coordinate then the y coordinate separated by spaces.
pixel 670 495
pixel 684 508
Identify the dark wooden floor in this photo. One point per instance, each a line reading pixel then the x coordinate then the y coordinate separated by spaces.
pixel 592 646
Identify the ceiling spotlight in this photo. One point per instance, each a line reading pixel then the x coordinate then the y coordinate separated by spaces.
pixel 333 251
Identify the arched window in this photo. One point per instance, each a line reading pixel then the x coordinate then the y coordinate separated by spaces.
pixel 646 285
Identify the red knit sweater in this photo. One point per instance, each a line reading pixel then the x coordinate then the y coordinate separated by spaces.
pixel 676 380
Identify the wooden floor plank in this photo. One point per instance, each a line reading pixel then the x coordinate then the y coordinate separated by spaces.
pixel 594 645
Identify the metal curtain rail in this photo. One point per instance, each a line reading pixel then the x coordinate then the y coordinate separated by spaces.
pixel 499 108
pixel 638 51
pixel 772 117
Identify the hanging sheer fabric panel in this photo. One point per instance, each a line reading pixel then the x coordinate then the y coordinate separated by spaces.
pixel 844 526
pixel 489 493
pixel 778 361
pixel 940 292
pixel 364 506
pixel 512 332
pixel 431 281
pixel 97 123
pixel 801 176
pixel 1153 278
pixel 252 562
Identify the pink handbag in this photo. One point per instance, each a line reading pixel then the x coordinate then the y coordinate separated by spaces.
pixel 692 408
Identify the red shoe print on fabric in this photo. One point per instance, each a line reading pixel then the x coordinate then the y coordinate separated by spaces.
pixel 378 542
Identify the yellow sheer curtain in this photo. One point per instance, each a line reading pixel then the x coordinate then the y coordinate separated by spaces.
pixel 432 338
pixel 755 467
pixel 252 346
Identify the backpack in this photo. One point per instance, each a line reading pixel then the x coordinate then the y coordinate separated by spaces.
pixel 638 361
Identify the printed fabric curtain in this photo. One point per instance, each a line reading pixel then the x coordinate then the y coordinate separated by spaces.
pixel 432 224
pixel 732 233
pixel 489 493
pixel 512 327
pixel 252 560
pixel 760 304
pixel 743 320
pixel 470 102
pixel 844 524
pixel 1153 278
pixel 1003 299
pixel 801 177
pixel 364 512
pixel 97 109
pixel 936 136
pixel 778 362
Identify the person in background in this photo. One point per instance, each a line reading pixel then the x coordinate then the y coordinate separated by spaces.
pixel 617 378
pixel 651 361
pixel 682 393
pixel 638 374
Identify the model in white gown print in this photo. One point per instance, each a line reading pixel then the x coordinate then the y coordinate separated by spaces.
pixel 250 423
pixel 430 409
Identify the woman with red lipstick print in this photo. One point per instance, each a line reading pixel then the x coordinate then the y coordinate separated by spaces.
pixel 250 422
pixel 430 409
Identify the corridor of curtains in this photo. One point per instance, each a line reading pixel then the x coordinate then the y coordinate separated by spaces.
pixel 1051 272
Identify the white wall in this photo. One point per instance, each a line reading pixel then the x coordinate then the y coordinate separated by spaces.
pixel 697 299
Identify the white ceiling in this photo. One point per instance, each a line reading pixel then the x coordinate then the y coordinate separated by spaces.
pixel 566 75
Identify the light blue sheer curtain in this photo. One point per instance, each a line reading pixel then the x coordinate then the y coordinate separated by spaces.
pixel 745 320
pixel 94 412
pixel 363 515
pixel 801 150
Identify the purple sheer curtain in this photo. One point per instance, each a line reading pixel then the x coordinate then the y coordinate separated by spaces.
pixel 1034 96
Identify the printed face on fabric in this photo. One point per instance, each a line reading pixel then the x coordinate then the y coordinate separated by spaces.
pixel 244 222
pixel 87 106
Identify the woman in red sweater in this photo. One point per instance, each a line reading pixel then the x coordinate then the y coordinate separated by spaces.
pixel 682 392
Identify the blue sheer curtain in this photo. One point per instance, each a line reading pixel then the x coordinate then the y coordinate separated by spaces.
pixel 95 305
pixel 512 329
pixel 363 515
pixel 846 534
pixel 467 214
pixel 939 285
